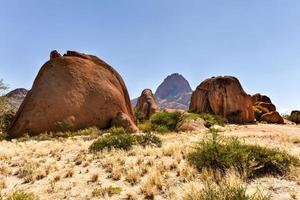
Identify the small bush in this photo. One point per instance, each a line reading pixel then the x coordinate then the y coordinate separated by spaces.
pixel 259 111
pixel 21 195
pixel 250 160
pixel 163 122
pixel 149 139
pixel 210 119
pixel 110 191
pixel 295 117
pixel 122 140
pixel 224 191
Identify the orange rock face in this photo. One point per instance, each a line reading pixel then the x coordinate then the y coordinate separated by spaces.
pixel 271 107
pixel 272 117
pixel 260 98
pixel 146 104
pixel 75 90
pixel 223 96
pixel 267 109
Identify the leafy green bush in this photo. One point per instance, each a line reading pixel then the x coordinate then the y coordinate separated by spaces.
pixel 21 195
pixel 250 160
pixel 122 140
pixel 224 191
pixel 165 121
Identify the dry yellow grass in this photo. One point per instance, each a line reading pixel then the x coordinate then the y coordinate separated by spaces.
pixel 64 168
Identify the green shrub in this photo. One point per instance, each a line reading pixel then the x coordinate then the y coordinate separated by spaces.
pixel 224 191
pixel 250 160
pixel 294 117
pixel 122 140
pixel 211 120
pixel 166 121
pixel 148 139
pixel 117 141
pixel 21 195
pixel 259 111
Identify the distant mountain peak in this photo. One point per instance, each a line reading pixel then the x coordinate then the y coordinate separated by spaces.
pixel 172 86
pixel 16 97
pixel 17 93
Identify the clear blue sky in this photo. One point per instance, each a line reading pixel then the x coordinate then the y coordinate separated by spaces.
pixel 257 41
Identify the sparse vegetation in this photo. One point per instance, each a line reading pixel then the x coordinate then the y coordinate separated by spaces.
pixel 118 138
pixel 21 195
pixel 249 160
pixel 110 191
pixel 259 111
pixel 92 132
pixel 163 122
pixel 223 191
pixel 5 116
pixel 295 117
pixel 210 119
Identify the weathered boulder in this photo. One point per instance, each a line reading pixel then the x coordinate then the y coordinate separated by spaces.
pixel 192 125
pixel 223 96
pixel 271 107
pixel 263 106
pixel 74 86
pixel 54 54
pixel 260 98
pixel 272 117
pixel 146 105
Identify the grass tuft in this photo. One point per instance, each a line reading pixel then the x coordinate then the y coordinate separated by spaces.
pixel 224 191
pixel 21 195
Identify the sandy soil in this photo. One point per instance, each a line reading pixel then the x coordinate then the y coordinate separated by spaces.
pixel 65 169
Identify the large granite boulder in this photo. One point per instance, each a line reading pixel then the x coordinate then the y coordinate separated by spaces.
pixel 74 91
pixel 223 96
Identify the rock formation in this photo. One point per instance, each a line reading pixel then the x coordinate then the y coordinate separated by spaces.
pixel 263 106
pixel 146 105
pixel 54 54
pixel 173 85
pixel 75 91
pixel 260 98
pixel 272 117
pixel 223 96
pixel 173 93
pixel 16 97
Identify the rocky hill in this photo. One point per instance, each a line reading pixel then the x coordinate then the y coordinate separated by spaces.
pixel 174 92
pixel 16 97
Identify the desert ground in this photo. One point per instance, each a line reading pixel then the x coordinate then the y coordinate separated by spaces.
pixel 64 168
